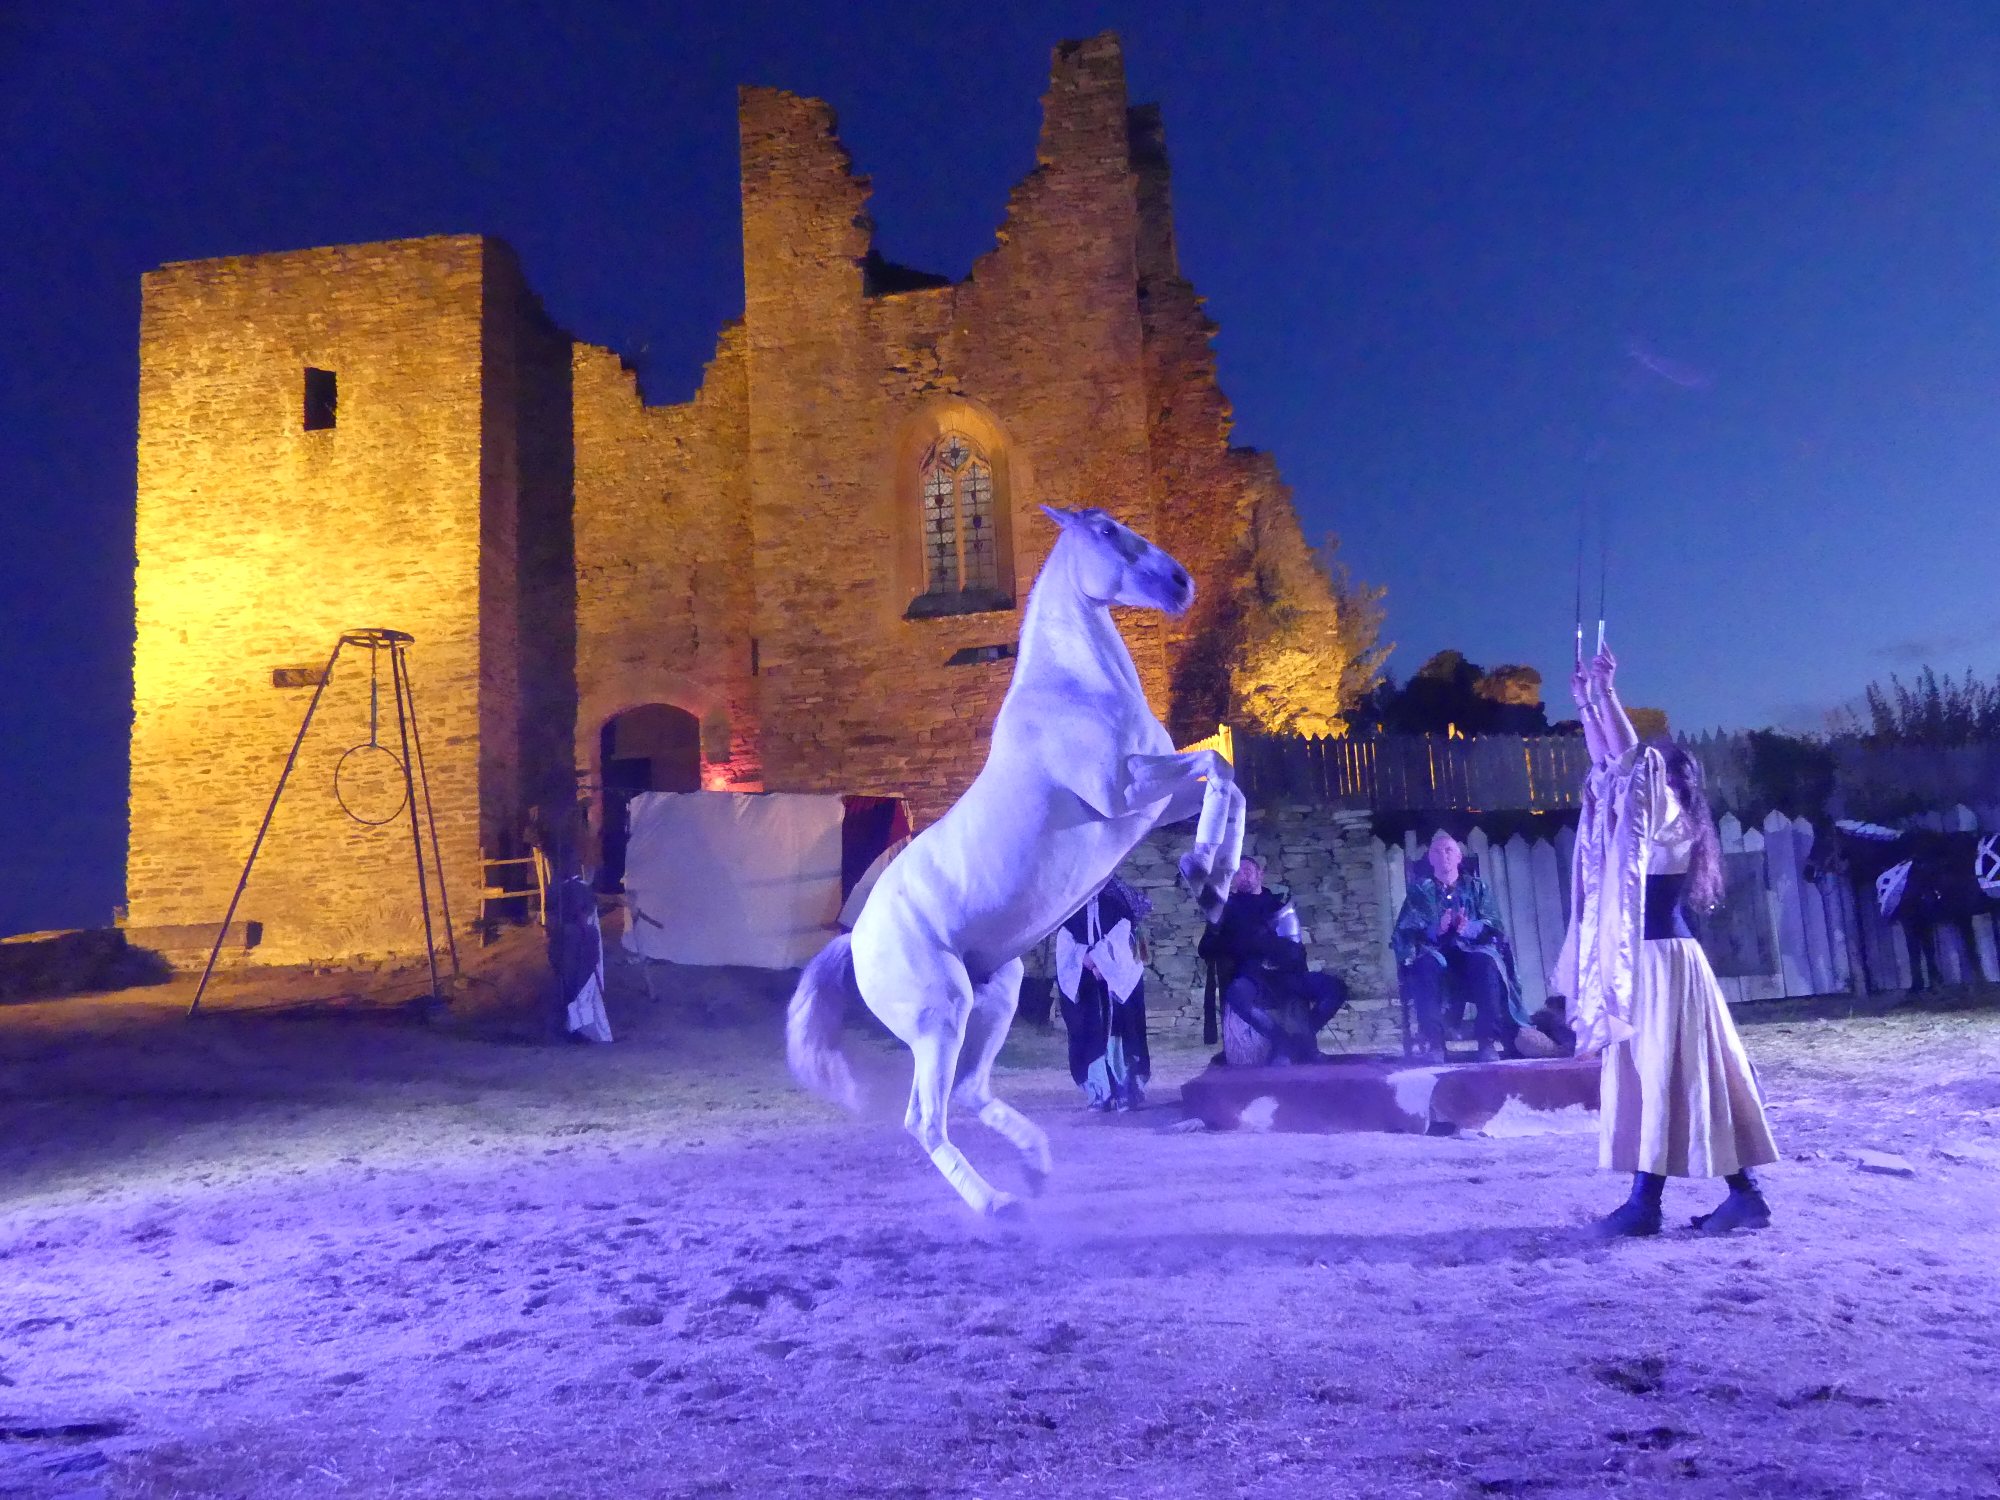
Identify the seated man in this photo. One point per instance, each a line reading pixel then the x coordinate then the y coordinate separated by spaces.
pixel 1451 952
pixel 1273 1006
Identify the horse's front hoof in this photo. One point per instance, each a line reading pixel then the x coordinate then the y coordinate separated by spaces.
pixel 1005 1208
pixel 1036 1178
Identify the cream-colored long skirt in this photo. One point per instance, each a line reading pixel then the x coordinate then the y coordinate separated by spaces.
pixel 1679 1097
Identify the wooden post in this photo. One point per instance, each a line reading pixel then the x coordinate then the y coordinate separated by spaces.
pixel 1781 863
pixel 1549 884
pixel 1812 909
pixel 1768 986
pixel 1391 874
pixel 1526 926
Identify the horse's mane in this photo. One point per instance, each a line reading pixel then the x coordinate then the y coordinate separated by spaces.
pixel 1038 593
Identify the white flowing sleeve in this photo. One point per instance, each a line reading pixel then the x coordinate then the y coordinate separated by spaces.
pixel 1600 964
pixel 1117 962
pixel 1069 962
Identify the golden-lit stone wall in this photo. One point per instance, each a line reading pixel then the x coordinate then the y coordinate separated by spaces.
pixel 563 551
pixel 1040 349
pixel 528 614
pixel 259 541
pixel 1205 493
pixel 663 608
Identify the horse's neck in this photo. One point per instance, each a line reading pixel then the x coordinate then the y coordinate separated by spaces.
pixel 1065 635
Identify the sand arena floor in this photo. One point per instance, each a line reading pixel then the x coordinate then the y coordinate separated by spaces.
pixel 337 1254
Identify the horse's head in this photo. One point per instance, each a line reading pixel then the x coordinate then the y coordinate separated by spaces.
pixel 1115 565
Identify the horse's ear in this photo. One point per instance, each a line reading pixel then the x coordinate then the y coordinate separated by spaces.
pixel 1058 515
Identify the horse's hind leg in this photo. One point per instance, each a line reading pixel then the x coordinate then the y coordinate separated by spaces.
pixel 936 1050
pixel 932 1025
pixel 993 1004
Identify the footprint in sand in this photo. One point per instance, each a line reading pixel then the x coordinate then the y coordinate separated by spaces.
pixel 1815 1395
pixel 1644 1376
pixel 498 1339
pixel 709 1392
pixel 1650 1439
pixel 759 1295
pixel 1060 1339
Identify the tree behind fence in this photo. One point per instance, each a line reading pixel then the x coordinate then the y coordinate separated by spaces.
pixel 1413 773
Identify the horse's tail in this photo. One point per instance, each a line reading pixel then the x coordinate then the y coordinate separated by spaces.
pixel 812 1026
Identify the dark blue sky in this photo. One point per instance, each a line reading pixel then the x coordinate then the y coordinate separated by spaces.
pixel 1432 233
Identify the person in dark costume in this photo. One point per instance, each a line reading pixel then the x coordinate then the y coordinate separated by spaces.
pixel 576 955
pixel 1100 973
pixel 1272 1006
pixel 575 941
pixel 1451 952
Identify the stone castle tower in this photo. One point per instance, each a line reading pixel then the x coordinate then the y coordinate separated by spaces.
pixel 807 578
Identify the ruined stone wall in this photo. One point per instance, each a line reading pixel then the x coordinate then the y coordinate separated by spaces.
pixel 535 406
pixel 663 577
pixel 527 596
pixel 1326 859
pixel 259 542
pixel 1042 343
pixel 1206 493
pixel 564 552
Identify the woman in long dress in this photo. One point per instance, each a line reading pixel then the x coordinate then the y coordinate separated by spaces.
pixel 1679 1096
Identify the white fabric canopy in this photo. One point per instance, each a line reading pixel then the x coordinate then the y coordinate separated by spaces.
pixel 732 878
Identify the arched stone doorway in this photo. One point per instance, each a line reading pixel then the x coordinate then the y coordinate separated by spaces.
pixel 655 747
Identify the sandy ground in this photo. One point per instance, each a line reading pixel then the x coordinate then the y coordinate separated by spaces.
pixel 340 1254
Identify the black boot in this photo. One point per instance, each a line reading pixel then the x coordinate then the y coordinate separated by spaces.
pixel 1638 1215
pixel 1744 1208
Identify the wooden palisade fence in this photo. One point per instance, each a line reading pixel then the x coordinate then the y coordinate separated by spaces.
pixel 1417 773
pixel 1544 773
pixel 1782 932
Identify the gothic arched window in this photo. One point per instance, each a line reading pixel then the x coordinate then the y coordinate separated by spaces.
pixel 961 546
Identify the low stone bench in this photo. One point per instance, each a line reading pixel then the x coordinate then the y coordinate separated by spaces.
pixel 1374 1093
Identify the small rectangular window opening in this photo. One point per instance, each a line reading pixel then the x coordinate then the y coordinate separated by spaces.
pixel 967 656
pixel 297 677
pixel 322 399
pixel 756 660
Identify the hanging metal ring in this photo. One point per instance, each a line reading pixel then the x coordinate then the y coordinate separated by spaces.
pixel 402 786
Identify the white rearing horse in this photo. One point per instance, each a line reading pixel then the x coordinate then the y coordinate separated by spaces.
pixel 1079 771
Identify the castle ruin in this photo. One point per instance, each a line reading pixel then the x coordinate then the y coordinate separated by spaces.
pixel 809 577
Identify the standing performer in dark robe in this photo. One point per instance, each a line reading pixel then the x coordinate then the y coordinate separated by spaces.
pixel 1679 1096
pixel 576 942
pixel 1100 971
pixel 1451 951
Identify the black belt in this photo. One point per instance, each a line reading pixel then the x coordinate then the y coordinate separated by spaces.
pixel 1665 916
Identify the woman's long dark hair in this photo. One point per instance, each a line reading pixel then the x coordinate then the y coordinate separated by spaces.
pixel 1684 775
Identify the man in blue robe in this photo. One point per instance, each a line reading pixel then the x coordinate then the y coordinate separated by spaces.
pixel 1451 953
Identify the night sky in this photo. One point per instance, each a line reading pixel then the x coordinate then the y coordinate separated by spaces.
pixel 1728 275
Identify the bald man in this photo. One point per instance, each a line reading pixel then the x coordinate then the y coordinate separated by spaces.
pixel 1451 953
